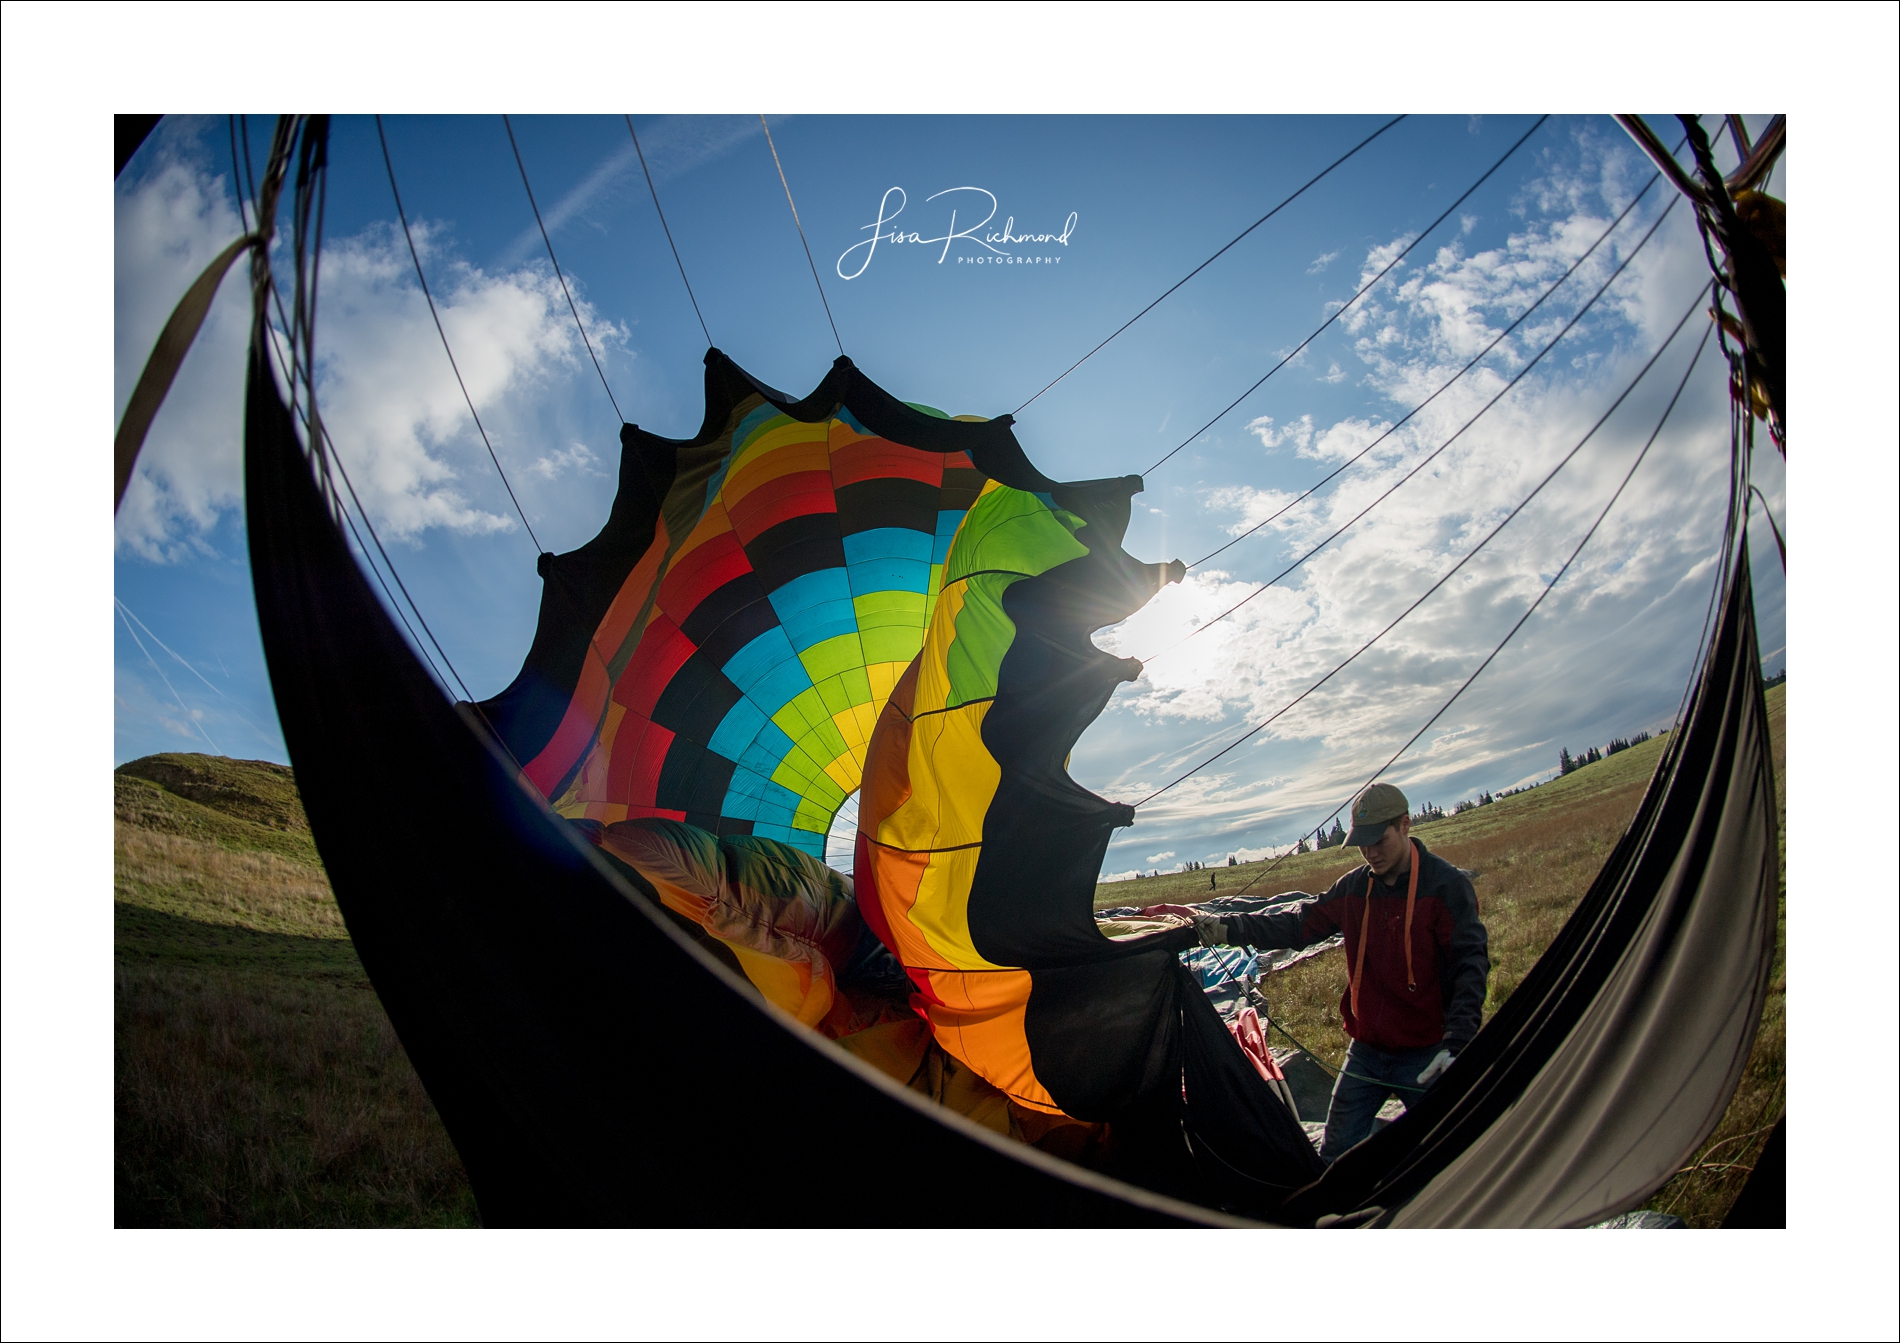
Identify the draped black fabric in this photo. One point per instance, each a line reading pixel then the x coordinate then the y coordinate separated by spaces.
pixel 595 1067
pixel 1615 1058
pixel 591 1065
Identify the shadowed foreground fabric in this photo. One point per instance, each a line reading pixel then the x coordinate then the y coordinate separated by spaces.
pixel 597 1063
pixel 1615 1058
pixel 593 1067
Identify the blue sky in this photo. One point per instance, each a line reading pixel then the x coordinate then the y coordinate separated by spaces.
pixel 1151 197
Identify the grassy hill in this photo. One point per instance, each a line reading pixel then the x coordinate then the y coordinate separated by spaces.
pixel 258 1081
pixel 1533 855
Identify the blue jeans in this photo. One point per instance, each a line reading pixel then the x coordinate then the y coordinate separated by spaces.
pixel 1370 1075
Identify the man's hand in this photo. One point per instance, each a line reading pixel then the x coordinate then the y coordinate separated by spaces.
pixel 1212 932
pixel 1436 1068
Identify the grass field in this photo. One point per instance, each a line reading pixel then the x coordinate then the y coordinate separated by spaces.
pixel 1534 855
pixel 258 1081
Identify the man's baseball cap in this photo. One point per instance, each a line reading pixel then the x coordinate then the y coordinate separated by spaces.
pixel 1373 810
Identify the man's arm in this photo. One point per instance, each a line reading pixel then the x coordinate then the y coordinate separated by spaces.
pixel 1301 925
pixel 1468 959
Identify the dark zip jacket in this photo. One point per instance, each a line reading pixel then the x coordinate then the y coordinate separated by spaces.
pixel 1444 998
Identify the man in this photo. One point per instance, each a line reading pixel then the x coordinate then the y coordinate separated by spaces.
pixel 1417 960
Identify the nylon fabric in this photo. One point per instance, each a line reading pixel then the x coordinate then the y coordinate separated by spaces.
pixel 592 1064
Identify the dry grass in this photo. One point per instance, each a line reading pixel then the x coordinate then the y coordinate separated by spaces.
pixel 257 1079
pixel 1534 856
pixel 256 1099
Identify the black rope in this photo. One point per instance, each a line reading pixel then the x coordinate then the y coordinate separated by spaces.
pixel 1512 633
pixel 1346 306
pixel 1469 555
pixel 324 460
pixel 421 279
pixel 1522 318
pixel 801 235
pixel 300 333
pixel 1780 546
pixel 580 325
pixel 290 379
pixel 669 232
pixel 1310 182
pixel 1431 456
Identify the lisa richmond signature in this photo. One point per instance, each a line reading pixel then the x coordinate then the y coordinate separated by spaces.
pixel 994 241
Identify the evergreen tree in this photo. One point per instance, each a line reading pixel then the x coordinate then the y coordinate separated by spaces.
pixel 1564 763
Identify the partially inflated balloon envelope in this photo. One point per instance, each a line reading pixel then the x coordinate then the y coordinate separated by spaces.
pixel 849 591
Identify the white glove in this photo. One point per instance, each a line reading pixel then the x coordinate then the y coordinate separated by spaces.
pixel 1436 1068
pixel 1212 932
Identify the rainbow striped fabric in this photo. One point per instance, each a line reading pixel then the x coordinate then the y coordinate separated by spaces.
pixel 737 676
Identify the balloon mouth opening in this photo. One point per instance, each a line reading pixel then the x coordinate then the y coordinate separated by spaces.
pixel 841 840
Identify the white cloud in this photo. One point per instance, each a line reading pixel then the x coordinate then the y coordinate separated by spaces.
pixel 164 234
pixel 1334 373
pixel 673 146
pixel 1321 262
pixel 1608 647
pixel 389 396
pixel 576 458
pixel 1299 433
pixel 1154 858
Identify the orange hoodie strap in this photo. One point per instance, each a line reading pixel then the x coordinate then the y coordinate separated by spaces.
pixel 1359 960
pixel 1365 929
pixel 1411 894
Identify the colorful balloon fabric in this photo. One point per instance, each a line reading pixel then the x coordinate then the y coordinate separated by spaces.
pixel 813 595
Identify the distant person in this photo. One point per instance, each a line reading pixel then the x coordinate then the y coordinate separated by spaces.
pixel 1417 962
pixel 1212 884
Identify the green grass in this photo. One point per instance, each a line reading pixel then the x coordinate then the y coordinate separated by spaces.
pixel 259 1083
pixel 257 1079
pixel 1534 856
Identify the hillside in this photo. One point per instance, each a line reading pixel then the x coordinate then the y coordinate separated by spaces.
pixel 257 1080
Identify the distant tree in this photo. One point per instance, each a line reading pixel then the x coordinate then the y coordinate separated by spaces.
pixel 1231 861
pixel 1564 763
pixel 1301 846
pixel 1335 837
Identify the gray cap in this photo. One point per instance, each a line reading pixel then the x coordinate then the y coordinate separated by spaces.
pixel 1372 811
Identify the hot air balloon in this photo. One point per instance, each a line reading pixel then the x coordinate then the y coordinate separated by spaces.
pixel 594 907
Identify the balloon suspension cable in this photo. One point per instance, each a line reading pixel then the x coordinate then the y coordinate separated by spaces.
pixel 421 279
pixel 1522 317
pixel 1310 182
pixel 669 233
pixel 1668 410
pixel 1430 457
pixel 1469 555
pixel 558 274
pixel 299 331
pixel 1347 305
pixel 801 234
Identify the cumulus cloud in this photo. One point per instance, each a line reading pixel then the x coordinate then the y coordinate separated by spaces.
pixel 1611 644
pixel 164 234
pixel 1321 262
pixel 577 458
pixel 1299 433
pixel 389 396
